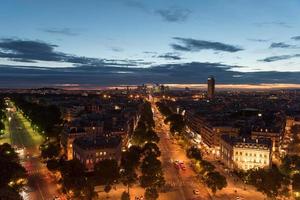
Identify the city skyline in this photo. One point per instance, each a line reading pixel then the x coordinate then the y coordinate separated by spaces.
pixel 134 42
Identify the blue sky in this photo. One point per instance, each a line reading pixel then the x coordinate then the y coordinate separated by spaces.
pixel 247 36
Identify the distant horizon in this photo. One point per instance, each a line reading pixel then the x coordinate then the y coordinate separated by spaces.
pixel 196 86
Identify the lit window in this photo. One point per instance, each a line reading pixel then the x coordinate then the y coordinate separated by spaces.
pixel 104 153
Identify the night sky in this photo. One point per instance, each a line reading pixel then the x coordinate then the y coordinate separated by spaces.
pixel 112 42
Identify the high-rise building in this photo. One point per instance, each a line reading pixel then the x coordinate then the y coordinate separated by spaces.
pixel 210 87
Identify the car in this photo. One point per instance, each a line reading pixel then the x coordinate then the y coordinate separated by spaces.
pixel 196 192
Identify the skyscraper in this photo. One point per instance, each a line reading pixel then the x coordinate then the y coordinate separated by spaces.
pixel 210 87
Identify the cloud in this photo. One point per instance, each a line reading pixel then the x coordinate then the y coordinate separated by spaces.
pixel 194 72
pixel 278 58
pixel 258 40
pixel 117 49
pixel 274 23
pixel 136 4
pixel 34 50
pixel 281 45
pixel 296 38
pixel 188 44
pixel 174 14
pixel 170 56
pixel 60 31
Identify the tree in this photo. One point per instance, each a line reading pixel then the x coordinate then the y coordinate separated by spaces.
pixel 43 117
pixel 177 123
pixel 142 135
pixel 125 196
pixel 129 162
pixel 271 181
pixel 296 183
pixel 8 193
pixel 151 194
pixel 132 156
pixel 50 150
pixel 290 164
pixel 12 174
pixel 165 110
pixel 194 153
pixel 152 174
pixel 107 171
pixel 206 167
pixel 147 115
pixel 128 177
pixel 73 178
pixel 53 165
pixel 215 181
pixel 151 148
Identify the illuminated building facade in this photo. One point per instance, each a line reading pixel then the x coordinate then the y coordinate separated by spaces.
pixel 91 150
pixel 245 153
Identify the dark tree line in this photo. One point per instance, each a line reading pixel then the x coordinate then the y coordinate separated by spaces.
pixel 144 132
pixel 176 121
pixel 213 179
pixel 45 117
pixel 2 116
pixel 12 174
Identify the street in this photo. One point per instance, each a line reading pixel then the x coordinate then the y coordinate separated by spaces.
pixel 26 142
pixel 185 181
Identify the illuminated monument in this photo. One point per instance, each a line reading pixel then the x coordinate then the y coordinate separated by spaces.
pixel 210 87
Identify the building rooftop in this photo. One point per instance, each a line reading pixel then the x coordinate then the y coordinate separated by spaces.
pixel 99 142
pixel 244 142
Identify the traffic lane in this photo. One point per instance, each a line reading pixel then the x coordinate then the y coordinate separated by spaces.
pixel 182 179
pixel 188 183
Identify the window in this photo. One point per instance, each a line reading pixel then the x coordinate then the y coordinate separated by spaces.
pixel 236 153
pixel 104 153
pixel 241 153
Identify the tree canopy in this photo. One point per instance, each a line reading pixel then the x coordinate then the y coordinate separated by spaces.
pixel 215 181
pixel 12 174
